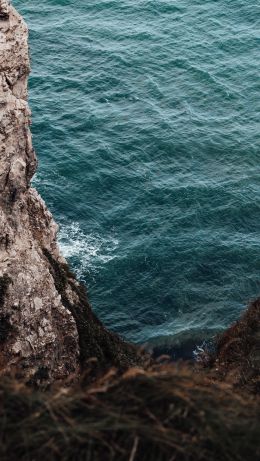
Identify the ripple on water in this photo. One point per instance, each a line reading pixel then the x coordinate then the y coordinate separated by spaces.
pixel 146 124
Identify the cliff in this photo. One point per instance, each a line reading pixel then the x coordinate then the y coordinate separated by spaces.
pixel 49 334
pixel 47 329
pixel 237 357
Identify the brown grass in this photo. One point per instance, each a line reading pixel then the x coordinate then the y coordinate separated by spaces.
pixel 171 412
pixel 166 413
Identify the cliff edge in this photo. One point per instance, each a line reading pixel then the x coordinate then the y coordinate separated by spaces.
pixel 47 329
pixel 48 333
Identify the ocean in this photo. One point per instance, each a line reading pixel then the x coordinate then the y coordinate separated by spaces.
pixel 146 126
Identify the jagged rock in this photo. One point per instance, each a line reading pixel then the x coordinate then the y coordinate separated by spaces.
pixel 4 9
pixel 237 356
pixel 47 328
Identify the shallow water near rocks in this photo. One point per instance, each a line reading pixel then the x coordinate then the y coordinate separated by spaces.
pixel 146 126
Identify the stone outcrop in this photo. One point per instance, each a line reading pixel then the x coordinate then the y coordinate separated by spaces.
pixel 4 9
pixel 47 329
pixel 237 357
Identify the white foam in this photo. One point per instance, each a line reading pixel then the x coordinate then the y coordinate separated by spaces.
pixel 87 252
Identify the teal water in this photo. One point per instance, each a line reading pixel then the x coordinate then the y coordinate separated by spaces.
pixel 146 125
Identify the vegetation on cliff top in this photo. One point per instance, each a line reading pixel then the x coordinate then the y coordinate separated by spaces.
pixel 166 412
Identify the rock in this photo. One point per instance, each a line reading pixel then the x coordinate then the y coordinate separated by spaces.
pixel 4 9
pixel 46 322
pixel 237 356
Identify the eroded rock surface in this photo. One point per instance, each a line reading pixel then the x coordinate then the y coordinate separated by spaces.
pixel 47 329
pixel 37 333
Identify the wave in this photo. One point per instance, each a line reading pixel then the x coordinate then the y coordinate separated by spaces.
pixel 87 252
pixel 150 130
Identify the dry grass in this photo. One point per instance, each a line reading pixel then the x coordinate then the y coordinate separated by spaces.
pixel 166 413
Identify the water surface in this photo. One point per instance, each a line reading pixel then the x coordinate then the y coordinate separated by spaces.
pixel 146 125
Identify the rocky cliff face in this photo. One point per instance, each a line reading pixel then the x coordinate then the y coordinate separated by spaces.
pixel 47 329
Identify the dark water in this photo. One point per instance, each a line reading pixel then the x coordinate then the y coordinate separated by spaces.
pixel 146 124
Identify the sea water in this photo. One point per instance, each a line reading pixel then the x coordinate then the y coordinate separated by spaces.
pixel 146 126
